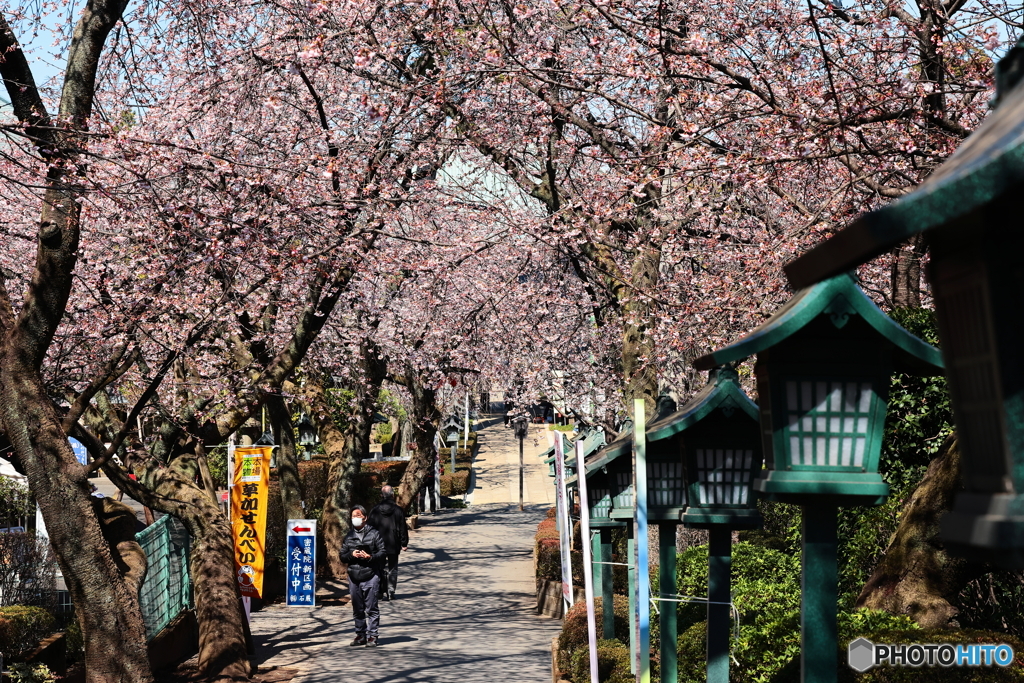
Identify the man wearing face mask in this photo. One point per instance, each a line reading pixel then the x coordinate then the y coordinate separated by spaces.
pixel 363 551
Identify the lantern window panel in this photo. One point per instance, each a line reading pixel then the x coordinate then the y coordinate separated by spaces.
pixel 828 422
pixel 666 485
pixel 723 475
pixel 624 499
pixel 603 505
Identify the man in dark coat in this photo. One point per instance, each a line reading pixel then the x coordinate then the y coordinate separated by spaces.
pixel 389 520
pixel 363 551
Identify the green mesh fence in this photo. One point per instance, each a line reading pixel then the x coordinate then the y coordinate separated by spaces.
pixel 167 588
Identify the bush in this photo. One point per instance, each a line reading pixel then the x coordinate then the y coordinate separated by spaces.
pixel 612 656
pixel 21 629
pixel 612 663
pixel 455 484
pixel 16 502
pixel 32 673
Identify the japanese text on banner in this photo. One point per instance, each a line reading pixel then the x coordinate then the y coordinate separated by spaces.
pixel 249 516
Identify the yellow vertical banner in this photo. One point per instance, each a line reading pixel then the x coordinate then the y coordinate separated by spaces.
pixel 249 487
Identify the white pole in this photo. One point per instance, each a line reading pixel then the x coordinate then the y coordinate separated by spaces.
pixel 563 515
pixel 466 439
pixel 588 567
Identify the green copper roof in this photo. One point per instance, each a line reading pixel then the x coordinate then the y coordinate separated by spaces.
pixel 622 445
pixel 838 297
pixel 721 391
pixel 988 164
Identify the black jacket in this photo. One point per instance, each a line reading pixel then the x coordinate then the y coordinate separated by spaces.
pixel 367 539
pixel 389 520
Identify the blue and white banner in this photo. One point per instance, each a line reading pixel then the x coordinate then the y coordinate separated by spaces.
pixel 301 580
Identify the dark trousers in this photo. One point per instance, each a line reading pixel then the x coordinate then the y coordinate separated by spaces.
pixel 365 609
pixel 392 573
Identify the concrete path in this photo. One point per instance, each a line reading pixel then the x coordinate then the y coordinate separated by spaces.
pixel 496 468
pixel 465 611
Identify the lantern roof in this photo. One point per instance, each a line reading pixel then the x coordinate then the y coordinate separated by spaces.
pixel 722 391
pixel 621 445
pixel 838 297
pixel 989 164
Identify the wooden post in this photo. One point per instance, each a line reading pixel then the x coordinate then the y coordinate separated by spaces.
pixel 818 595
pixel 719 616
pixel 667 614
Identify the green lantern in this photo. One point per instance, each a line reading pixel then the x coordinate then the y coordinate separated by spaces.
pixel 824 363
pixel 969 211
pixel 717 438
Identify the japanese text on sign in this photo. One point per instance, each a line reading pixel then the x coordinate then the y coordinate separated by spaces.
pixel 248 516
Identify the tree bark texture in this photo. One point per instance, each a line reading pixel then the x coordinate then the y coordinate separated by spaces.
pixel 906 273
pixel 104 592
pixel 639 372
pixel 219 613
pixel 424 420
pixel 916 576
pixel 287 458
pixel 342 469
pixel 106 597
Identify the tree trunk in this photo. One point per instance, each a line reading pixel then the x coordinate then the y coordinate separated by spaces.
pixel 222 649
pixel 906 273
pixel 342 470
pixel 424 420
pixel 345 450
pixel 287 458
pixel 106 597
pixel 639 373
pixel 916 576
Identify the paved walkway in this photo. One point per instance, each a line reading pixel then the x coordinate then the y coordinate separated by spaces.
pixel 464 612
pixel 496 468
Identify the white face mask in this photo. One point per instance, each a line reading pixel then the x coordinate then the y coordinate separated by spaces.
pixel 357 522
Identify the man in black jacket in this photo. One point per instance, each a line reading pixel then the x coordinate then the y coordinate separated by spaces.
pixel 363 551
pixel 389 520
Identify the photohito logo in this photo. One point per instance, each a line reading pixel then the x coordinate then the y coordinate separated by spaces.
pixel 862 654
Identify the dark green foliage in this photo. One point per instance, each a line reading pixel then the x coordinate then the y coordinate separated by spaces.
pixel 16 502
pixel 994 602
pixel 612 655
pixel 21 629
pixel 217 461
pixel 766 593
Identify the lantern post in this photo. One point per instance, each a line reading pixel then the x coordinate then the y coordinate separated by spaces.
pixel 824 363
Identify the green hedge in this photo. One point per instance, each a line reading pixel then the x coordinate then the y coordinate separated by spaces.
pixel 612 655
pixel 455 485
pixel 21 629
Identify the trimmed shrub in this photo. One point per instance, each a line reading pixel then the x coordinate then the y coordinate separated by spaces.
pixel 612 655
pixel 21 629
pixel 612 663
pixel 455 484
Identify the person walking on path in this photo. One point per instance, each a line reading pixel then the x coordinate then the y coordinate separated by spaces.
pixel 389 520
pixel 363 551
